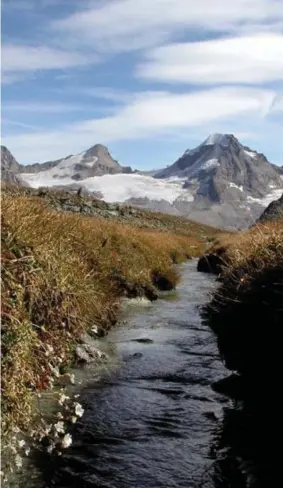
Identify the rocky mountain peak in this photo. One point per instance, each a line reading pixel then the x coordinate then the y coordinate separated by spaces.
pixel 9 167
pixel 7 160
pixel 95 161
pixel 223 140
pixel 100 156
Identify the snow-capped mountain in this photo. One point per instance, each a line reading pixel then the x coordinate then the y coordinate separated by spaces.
pixel 220 164
pixel 220 182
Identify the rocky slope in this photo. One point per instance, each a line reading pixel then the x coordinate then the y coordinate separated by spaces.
pixel 85 203
pixel 221 182
pixel 10 168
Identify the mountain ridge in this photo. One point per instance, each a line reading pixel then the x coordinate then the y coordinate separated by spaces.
pixel 220 182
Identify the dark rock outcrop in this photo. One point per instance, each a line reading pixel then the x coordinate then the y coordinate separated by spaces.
pixel 274 211
pixel 212 262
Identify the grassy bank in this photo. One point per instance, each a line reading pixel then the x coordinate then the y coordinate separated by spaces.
pixel 63 272
pixel 246 312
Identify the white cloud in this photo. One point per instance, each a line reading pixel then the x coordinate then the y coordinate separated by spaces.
pixel 147 116
pixel 122 26
pixel 18 60
pixel 252 59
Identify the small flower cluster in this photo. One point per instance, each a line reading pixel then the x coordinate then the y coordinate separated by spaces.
pixel 56 434
pixel 16 450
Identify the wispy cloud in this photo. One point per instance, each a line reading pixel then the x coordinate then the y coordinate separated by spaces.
pixel 147 116
pixel 254 59
pixel 18 60
pixel 121 26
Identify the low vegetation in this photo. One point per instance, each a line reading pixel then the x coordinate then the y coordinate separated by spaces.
pixel 246 312
pixel 63 272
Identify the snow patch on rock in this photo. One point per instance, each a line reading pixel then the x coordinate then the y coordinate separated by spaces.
pixel 250 154
pixel 211 163
pixel 264 202
pixel 232 185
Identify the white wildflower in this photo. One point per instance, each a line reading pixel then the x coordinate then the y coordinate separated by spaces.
pixel 72 378
pixel 48 429
pixel 49 350
pixel 41 435
pixel 73 419
pixel 27 451
pixel 18 461
pixel 66 441
pixel 55 371
pixel 60 427
pixel 79 411
pixel 63 399
pixel 76 396
pixel 50 448
pixel 59 416
pixel 21 443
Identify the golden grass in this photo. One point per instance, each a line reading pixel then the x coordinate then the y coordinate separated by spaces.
pixel 59 276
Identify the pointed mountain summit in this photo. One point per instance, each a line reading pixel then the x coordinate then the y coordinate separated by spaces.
pixel 95 161
pixel 222 169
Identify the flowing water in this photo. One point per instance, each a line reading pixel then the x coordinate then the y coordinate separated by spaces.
pixel 153 419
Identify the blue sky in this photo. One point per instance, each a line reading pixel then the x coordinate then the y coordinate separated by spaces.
pixel 148 78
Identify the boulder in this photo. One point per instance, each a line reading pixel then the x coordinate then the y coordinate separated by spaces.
pixel 212 262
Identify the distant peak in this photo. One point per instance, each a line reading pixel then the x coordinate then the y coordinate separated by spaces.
pixel 219 139
pixel 99 147
pixel 215 139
